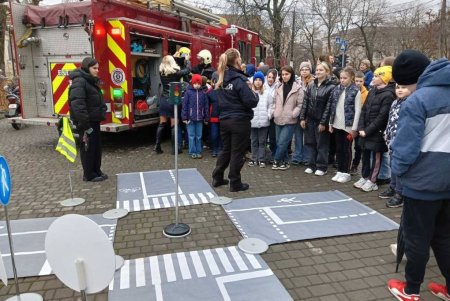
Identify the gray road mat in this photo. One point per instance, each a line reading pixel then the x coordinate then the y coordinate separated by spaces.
pixel 156 189
pixel 29 244
pixel 214 274
pixel 302 216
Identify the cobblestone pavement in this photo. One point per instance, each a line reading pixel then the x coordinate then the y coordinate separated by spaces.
pixel 352 267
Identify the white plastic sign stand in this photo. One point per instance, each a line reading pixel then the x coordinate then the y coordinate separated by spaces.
pixel 72 201
pixel 5 194
pixel 80 254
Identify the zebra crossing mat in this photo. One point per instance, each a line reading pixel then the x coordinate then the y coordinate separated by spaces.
pixel 213 274
pixel 29 244
pixel 303 216
pixel 156 189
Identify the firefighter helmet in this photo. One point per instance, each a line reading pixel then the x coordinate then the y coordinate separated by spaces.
pixel 184 51
pixel 206 56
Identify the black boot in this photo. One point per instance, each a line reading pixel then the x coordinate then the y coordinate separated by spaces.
pixel 159 133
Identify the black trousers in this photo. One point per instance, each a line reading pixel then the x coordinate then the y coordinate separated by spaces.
pixel 371 165
pixel 343 150
pixel 235 136
pixel 318 144
pixel 91 158
pixel 358 152
pixel 425 224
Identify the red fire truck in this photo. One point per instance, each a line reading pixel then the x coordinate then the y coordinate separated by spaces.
pixel 128 38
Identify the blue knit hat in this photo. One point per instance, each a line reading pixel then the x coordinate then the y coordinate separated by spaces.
pixel 259 75
pixel 250 69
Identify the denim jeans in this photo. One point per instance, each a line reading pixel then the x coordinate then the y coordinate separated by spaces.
pixel 216 141
pixel 259 139
pixel 195 137
pixel 385 172
pixel 284 135
pixel 301 152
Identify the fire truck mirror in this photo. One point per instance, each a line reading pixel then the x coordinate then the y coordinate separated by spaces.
pixel 175 92
pixel 118 103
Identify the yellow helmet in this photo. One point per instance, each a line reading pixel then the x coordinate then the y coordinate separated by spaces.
pixel 206 56
pixel 183 52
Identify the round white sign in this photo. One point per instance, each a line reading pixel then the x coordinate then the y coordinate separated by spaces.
pixel 118 76
pixel 73 238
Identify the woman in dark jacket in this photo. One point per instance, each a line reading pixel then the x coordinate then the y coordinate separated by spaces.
pixel 372 123
pixel 236 101
pixel 314 118
pixel 87 110
pixel 170 72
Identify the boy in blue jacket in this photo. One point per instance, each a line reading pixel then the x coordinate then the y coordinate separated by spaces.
pixel 194 114
pixel 421 160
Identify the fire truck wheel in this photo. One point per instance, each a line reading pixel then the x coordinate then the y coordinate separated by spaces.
pixel 17 126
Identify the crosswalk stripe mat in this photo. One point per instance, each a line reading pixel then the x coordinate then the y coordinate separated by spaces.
pixel 304 216
pixel 156 189
pixel 213 274
pixel 29 244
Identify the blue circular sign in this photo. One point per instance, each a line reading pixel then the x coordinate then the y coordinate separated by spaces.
pixel 5 182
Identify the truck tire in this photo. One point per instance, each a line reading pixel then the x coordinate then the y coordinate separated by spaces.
pixel 17 126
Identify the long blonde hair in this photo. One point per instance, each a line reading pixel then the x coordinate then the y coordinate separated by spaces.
pixel 168 66
pixel 225 59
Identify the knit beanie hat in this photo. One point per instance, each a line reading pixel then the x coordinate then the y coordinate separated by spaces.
pixel 250 70
pixel 305 65
pixel 259 75
pixel 385 73
pixel 87 63
pixel 196 79
pixel 408 66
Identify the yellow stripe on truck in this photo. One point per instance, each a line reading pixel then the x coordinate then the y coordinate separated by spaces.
pixel 62 101
pixel 116 50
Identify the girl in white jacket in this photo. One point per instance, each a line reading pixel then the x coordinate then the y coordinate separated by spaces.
pixel 260 122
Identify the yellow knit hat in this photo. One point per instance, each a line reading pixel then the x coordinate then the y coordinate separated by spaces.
pixel 385 73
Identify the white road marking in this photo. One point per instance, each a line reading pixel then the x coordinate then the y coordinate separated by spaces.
pixel 169 268
pixel 140 272
pixel 253 261
pixel 238 277
pixel 154 270
pixel 287 206
pixel 238 259
pixel 203 198
pixel 184 268
pixel 125 275
pixel 198 266
pixel 211 262
pixel 136 205
pixel 224 260
pixel 194 199
pixel 144 188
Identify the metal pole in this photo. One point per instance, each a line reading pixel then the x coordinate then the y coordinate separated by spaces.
pixel 442 32
pixel 8 227
pixel 12 51
pixel 90 38
pixel 70 181
pixel 292 37
pixel 176 162
pixel 83 295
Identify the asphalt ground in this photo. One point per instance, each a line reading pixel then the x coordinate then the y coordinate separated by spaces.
pixel 354 267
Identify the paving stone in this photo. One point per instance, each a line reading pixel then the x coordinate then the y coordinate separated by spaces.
pixel 354 267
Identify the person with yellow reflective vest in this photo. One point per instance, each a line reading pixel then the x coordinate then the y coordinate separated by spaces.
pixel 87 110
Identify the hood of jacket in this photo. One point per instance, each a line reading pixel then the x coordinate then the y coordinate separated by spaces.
pixel 436 74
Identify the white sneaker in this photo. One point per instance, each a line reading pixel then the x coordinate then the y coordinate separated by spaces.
pixel 369 186
pixel 336 177
pixel 309 170
pixel 359 183
pixel 344 178
pixel 320 173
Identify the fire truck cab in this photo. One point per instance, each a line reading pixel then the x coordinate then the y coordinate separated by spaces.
pixel 128 39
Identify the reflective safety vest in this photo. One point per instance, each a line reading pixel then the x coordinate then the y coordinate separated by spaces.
pixel 66 143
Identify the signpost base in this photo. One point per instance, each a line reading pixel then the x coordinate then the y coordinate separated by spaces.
pixel 177 230
pixel 26 297
pixel 72 202
pixel 115 213
pixel 253 246
pixel 220 200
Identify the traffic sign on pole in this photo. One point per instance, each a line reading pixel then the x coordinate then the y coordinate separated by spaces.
pixel 5 182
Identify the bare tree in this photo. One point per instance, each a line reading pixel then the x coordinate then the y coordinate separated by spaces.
pixel 369 16
pixel 309 33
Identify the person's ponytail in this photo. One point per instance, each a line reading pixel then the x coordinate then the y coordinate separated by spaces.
pixel 221 70
pixel 228 58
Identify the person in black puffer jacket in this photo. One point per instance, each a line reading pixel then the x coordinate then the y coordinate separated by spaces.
pixel 236 103
pixel 372 123
pixel 315 117
pixel 170 72
pixel 87 110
